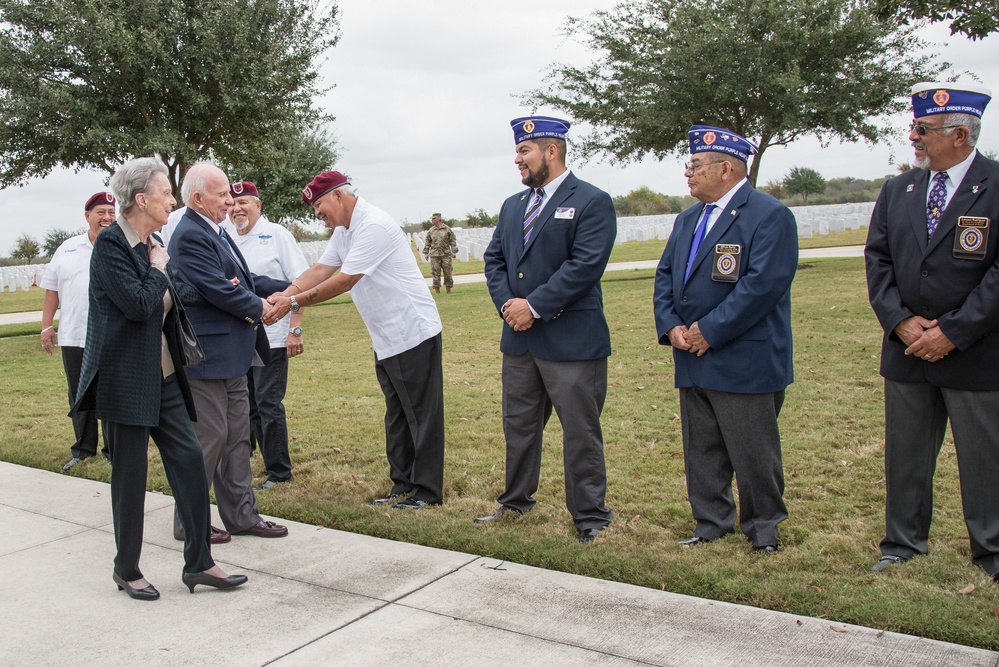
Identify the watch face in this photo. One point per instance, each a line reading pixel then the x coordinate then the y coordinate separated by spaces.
pixel 297 331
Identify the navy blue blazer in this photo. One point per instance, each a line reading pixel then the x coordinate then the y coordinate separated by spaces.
pixel 747 323
pixel 558 271
pixel 226 317
pixel 908 275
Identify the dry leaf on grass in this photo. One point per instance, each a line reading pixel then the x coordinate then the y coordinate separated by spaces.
pixel 967 590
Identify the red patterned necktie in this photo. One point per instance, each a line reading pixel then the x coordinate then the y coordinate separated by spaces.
pixel 936 203
pixel 532 214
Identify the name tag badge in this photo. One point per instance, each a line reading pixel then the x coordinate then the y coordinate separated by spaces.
pixel 971 238
pixel 564 213
pixel 725 268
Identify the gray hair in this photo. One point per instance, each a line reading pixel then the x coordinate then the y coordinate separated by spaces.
pixel 194 181
pixel 134 177
pixel 970 121
pixel 347 189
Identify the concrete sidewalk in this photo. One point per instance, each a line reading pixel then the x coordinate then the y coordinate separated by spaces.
pixel 325 597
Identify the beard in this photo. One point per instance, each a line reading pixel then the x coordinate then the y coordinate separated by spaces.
pixel 241 226
pixel 535 179
pixel 924 163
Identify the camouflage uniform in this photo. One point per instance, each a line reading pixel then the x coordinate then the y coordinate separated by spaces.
pixel 440 245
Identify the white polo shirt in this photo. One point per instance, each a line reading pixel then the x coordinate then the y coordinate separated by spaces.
pixel 69 274
pixel 270 250
pixel 392 297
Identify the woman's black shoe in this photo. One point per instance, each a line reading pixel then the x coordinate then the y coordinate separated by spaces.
pixel 147 593
pixel 192 579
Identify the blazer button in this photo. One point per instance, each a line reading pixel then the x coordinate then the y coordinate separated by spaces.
pixel 520 275
pixel 256 326
pixel 924 309
pixel 924 273
pixel 684 299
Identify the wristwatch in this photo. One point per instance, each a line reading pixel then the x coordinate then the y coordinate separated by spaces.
pixel 294 305
pixel 295 331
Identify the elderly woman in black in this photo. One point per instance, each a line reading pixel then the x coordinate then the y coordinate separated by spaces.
pixel 133 373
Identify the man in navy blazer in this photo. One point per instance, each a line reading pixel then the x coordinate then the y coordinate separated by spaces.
pixel 723 301
pixel 543 269
pixel 225 309
pixel 933 279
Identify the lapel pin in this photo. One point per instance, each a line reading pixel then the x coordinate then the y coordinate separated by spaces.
pixel 910 188
pixel 974 190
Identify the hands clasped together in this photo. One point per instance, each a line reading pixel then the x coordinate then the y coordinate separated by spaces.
pixel 924 338
pixel 690 339
pixel 517 313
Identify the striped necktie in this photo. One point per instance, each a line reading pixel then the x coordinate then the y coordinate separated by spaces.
pixel 936 203
pixel 698 237
pixel 532 214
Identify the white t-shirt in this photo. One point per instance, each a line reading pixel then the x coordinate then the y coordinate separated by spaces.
pixel 270 250
pixel 69 274
pixel 392 297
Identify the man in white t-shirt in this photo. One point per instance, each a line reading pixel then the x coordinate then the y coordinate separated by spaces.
pixel 269 250
pixel 369 256
pixel 67 283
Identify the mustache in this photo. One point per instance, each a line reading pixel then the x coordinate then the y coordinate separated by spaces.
pixel 918 145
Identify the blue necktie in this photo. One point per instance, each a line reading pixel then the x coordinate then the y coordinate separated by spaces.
pixel 698 237
pixel 936 203
pixel 532 214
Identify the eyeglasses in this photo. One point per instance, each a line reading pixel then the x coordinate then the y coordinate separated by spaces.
pixel 921 130
pixel 692 168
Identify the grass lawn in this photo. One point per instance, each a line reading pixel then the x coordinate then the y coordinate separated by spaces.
pixel 833 457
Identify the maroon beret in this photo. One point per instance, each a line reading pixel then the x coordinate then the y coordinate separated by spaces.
pixel 321 184
pixel 244 189
pixel 99 199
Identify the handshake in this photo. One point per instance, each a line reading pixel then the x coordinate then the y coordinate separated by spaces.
pixel 275 306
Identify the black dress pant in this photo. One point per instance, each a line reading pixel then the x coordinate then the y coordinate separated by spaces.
pixel 266 386
pixel 185 471
pixel 84 421
pixel 413 384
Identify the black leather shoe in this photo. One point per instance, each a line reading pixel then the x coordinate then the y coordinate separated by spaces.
pixel 147 593
pixel 499 514
pixel 887 561
pixel 766 549
pixel 73 461
pixel 694 541
pixel 390 498
pixel 588 535
pixel 192 579
pixel 411 504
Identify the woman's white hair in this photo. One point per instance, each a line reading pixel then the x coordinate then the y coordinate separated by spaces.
pixel 134 177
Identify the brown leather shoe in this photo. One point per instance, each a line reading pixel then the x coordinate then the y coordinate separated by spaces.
pixel 219 536
pixel 264 529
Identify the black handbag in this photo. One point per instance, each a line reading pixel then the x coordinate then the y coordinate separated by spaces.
pixel 190 349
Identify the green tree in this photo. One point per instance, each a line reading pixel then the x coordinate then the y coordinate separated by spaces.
pixel 775 189
pixel 283 167
pixel 25 249
pixel 771 70
pixel 478 218
pixel 976 19
pixel 88 85
pixel 804 181
pixel 54 238
pixel 642 201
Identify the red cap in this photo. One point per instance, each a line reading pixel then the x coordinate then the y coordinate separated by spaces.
pixel 99 199
pixel 244 189
pixel 321 184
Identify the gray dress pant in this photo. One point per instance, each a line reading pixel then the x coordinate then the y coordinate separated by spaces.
pixel 916 416
pixel 576 390
pixel 223 429
pixel 726 433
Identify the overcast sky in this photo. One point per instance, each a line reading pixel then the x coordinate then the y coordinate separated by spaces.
pixel 425 91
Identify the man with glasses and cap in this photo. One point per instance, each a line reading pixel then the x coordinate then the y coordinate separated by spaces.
pixel 66 282
pixel 723 302
pixel 543 269
pixel 933 281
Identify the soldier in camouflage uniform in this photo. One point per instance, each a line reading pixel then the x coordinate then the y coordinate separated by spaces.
pixel 440 247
